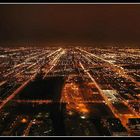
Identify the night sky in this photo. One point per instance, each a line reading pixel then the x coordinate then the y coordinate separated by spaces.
pixel 70 22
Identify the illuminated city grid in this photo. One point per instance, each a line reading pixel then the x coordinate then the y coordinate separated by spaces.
pixel 69 91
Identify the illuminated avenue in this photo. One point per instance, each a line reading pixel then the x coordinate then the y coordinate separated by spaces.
pixel 69 91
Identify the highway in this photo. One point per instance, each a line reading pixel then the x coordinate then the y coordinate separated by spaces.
pixel 25 83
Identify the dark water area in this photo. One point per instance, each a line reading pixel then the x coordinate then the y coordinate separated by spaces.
pixel 47 89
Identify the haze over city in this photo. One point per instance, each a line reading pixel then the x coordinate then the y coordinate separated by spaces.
pixel 69 22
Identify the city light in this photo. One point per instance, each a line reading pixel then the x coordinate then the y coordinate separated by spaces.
pixel 69 88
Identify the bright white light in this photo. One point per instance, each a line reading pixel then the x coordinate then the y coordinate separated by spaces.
pixel 83 117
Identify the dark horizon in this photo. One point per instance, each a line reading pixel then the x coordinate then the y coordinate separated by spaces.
pixel 70 23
